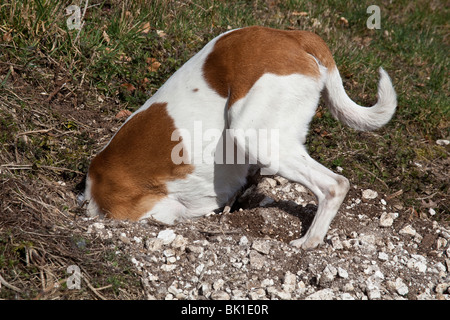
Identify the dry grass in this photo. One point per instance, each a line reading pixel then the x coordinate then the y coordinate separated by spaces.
pixel 42 230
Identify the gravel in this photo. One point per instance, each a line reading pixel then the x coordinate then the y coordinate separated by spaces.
pixel 374 250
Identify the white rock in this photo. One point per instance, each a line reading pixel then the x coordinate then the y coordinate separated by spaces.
pixel 123 237
pixel 181 296
pixel 328 273
pixel 369 194
pixel 136 262
pixel 417 262
pixel 387 219
pixel 196 249
pixel 347 296
pixel 337 243
pixel 154 244
pixel 167 236
pixel 169 296
pixel 367 238
pixel 418 238
pixel 401 287
pixel 286 188
pixel 238 294
pixel 276 294
pixel 349 286
pixel 267 283
pixel 299 200
pixel 173 289
pixel 179 242
pixel 377 275
pixel 171 260
pixel 261 246
pixel 425 295
pixel 300 188
pixel 290 282
pixel 445 233
pixel 442 287
pixel 243 241
pixel 440 267
pixel 373 292
pixel 353 234
pixel 373 285
pixel 301 287
pixel 98 225
pixel 206 289
pixel 218 284
pixel 325 294
pixel 280 180
pixel 272 183
pixel 153 277
pixel 342 273
pixel 220 295
pixel 441 243
pixel 199 269
pixel 283 295
pixel 168 253
pixel 383 256
pixel 168 267
pixel 443 142
pixel 408 230
pixel 367 243
pixel 256 260
pixel 259 293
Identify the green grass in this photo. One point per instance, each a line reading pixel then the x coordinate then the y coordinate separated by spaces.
pixel 61 80
pixel 111 50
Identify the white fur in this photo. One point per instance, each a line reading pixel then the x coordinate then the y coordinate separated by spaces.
pixel 284 103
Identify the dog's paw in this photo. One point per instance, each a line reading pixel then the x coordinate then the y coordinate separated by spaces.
pixel 306 243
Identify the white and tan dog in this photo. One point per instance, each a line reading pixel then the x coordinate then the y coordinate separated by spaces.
pixel 244 81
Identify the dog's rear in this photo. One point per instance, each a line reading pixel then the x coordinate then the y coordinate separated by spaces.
pixel 244 81
pixel 330 188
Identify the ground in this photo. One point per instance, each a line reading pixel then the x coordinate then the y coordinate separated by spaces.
pixel 62 98
pixel 241 254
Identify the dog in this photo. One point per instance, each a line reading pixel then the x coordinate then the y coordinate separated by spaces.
pixel 244 81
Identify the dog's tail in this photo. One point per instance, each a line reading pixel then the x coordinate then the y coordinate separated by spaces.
pixel 348 112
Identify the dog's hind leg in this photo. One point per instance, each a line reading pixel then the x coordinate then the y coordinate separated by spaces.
pixel 329 188
pixel 286 105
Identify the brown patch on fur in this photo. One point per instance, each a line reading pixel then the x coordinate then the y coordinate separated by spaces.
pixel 241 57
pixel 129 176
